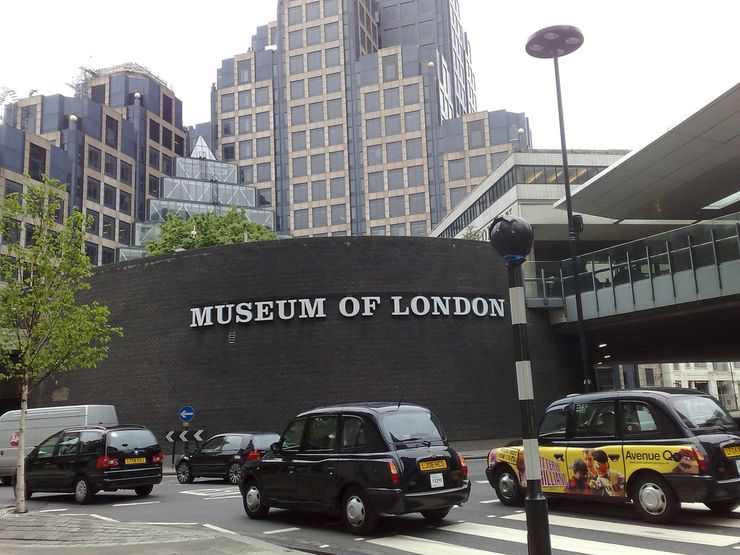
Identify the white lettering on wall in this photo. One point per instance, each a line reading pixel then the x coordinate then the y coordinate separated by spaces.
pixel 353 310
pixel 201 316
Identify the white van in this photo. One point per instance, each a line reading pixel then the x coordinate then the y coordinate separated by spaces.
pixel 42 423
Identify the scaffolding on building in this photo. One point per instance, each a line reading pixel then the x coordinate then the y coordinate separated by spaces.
pixel 80 83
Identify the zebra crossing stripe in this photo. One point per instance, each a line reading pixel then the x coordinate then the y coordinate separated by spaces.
pixel 424 547
pixel 564 543
pixel 652 532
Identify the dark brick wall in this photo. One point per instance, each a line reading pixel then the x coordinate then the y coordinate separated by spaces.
pixel 461 367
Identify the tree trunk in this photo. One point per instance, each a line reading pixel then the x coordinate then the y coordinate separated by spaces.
pixel 20 470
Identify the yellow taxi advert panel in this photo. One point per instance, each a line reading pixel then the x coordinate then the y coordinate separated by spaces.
pixel 677 459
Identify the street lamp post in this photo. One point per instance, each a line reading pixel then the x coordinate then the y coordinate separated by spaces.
pixel 555 42
pixel 512 237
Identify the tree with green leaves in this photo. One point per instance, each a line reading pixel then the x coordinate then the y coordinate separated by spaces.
pixel 44 330
pixel 207 230
pixel 471 234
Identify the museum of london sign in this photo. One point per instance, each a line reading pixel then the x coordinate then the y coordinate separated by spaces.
pixel 348 307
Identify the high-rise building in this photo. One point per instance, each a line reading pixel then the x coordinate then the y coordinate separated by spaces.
pixel 356 117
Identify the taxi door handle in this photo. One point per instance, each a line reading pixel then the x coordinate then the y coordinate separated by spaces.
pixel 291 468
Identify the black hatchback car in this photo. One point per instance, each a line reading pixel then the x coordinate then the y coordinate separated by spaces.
pixel 86 460
pixel 654 447
pixel 360 460
pixel 223 455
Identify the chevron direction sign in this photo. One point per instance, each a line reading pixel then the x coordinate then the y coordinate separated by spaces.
pixel 184 435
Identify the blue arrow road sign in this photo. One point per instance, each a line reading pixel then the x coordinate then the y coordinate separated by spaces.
pixel 186 413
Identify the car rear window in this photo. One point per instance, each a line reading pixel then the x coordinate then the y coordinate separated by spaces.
pixel 263 442
pixel 409 425
pixel 125 440
pixel 701 412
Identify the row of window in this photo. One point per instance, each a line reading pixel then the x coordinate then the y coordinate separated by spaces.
pixel 393 179
pixel 411 123
pixel 313 35
pixel 113 167
pixel 318 190
pixel 318 163
pixel 160 134
pixel 319 216
pixel 312 11
pixel 109 196
pixel 477 166
pixel 392 98
pixel 108 228
pixel 394 152
pixel 154 161
pixel 107 255
pixel 312 61
pixel 261 123
pixel 319 137
pixel 416 229
pixel 314 86
pixel 396 206
pixel 244 98
pixel 316 112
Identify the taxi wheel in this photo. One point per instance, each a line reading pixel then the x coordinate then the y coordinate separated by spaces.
pixel 143 491
pixel 357 513
pixel 253 505
pixel 83 491
pixel 184 474
pixel 507 487
pixel 723 507
pixel 654 499
pixel 234 474
pixel 437 515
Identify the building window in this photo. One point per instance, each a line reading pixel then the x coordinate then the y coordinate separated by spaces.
pixel 124 202
pixel 300 219
pixel 227 102
pixel 338 214
pixel 317 137
pixel 294 15
pixel 372 101
pixel 377 209
pixel 91 250
pixel 300 166
pixel 262 96
pixel 330 8
pixel 377 230
pixel 456 169
pixel 265 197
pixel 13 188
pixel 244 72
pixel 109 196
pixel 372 128
pixel 336 161
pixel 124 233
pixel 153 185
pixel 313 36
pixel 398 230
pixel 374 155
pixel 375 182
pixel 227 127
pixel 111 132
pixel 331 31
pixel 416 204
pixel 28 117
pixel 393 152
pixel 412 121
pixel 166 138
pixel 393 125
pixel 319 216
pixel 315 86
pixel 312 11
pixel 396 206
pixel 415 176
pixel 246 175
pixel 245 124
pixel 298 115
pixel 179 145
pixel 413 149
pixel 297 89
pixel 336 135
pixel 390 98
pixel 390 68
pixel 167 108
pixel 126 173
pixel 318 163
pixel 315 112
pixel 93 222
pixel 108 256
pixel 333 83
pixel 262 121
pixel 336 187
pixel 93 189
pixel 296 64
pixel 411 94
pixel 395 178
pixel 300 193
pixel 476 134
pixel 111 165
pixel 153 131
pixel 418 229
pixel 228 152
pixel 245 99
pixel 295 39
pixel 264 172
pixel 478 165
pixel 153 158
pixel 313 61
pixel 109 228
pixel 94 157
pixel 334 108
pixel 263 146
pixel 166 164
pixel 245 150
pixel 456 195
pixel 298 140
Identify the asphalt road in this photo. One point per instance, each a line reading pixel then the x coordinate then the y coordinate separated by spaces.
pixel 482 526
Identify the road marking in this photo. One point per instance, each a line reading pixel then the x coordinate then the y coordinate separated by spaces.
pixel 135 503
pixel 424 547
pixel 640 531
pixel 571 545
pixel 52 510
pixel 217 529
pixel 489 501
pixel 324 546
pixel 205 492
pixel 104 518
pixel 237 496
pixel 280 531
pixel 481 481
pixel 170 523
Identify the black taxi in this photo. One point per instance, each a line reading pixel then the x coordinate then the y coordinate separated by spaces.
pixel 360 460
pixel 653 447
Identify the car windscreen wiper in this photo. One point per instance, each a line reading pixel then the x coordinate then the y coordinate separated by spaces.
pixel 425 442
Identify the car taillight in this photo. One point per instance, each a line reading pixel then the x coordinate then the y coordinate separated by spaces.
pixel 105 461
pixel 252 455
pixel 158 458
pixel 463 465
pixel 703 463
pixel 393 471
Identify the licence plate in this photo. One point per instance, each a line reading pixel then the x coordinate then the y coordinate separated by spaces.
pixel 437 480
pixel 439 464
pixel 733 451
pixel 136 460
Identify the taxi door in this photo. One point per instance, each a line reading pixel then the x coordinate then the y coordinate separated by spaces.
pixel 316 463
pixel 553 446
pixel 595 458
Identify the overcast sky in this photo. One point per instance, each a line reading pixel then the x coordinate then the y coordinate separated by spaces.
pixel 644 66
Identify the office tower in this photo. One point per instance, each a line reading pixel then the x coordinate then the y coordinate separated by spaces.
pixel 112 143
pixel 355 117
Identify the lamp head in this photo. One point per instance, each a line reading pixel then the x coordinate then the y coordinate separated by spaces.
pixel 512 237
pixel 554 42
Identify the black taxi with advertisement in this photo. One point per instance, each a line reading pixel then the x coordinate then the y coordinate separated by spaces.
pixel 360 460
pixel 654 447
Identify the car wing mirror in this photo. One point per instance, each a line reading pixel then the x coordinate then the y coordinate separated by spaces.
pixel 275 446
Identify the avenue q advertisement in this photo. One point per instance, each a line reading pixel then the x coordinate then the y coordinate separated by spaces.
pixel 360 306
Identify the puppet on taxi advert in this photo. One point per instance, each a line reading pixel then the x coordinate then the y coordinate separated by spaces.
pixel 579 483
pixel 608 482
